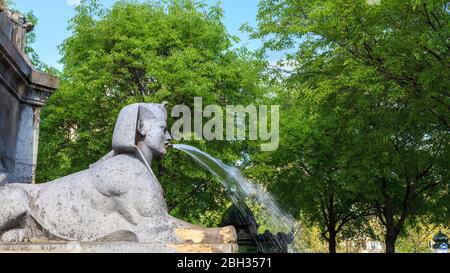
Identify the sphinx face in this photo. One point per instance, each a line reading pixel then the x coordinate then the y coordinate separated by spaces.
pixel 157 137
pixel 149 132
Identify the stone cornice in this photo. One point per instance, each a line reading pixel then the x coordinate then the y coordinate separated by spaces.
pixel 18 76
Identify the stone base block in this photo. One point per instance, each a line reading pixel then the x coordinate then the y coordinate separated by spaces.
pixel 81 247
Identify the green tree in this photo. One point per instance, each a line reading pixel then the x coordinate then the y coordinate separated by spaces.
pixel 146 52
pixel 380 71
pixel 418 236
pixel 308 169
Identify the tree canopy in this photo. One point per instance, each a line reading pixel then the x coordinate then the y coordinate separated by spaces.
pixel 363 90
pixel 367 122
pixel 146 52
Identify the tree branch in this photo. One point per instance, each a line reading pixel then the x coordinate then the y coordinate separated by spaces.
pixel 429 186
pixel 428 17
pixel 379 212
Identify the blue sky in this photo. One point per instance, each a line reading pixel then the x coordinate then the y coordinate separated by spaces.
pixel 53 16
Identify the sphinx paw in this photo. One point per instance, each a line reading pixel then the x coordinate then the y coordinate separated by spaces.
pixel 14 236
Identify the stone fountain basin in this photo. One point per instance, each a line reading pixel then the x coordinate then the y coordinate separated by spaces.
pixel 197 240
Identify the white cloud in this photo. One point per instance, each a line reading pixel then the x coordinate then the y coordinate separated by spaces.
pixel 73 2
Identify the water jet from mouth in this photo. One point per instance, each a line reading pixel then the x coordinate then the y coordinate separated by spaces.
pixel 242 191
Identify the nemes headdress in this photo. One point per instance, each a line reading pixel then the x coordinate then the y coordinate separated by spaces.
pixel 125 135
pixel 126 132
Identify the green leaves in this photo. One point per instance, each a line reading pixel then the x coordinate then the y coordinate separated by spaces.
pixel 152 52
pixel 364 110
pixel 366 106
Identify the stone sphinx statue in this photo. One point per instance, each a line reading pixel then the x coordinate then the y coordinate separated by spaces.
pixel 117 199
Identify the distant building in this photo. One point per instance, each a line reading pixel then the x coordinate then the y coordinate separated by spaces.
pixel 440 243
pixel 374 247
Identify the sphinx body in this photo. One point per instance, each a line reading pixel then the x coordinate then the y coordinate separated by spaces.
pixel 117 199
pixel 92 204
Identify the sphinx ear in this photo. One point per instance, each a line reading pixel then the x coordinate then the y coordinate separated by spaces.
pixel 145 115
pixel 142 127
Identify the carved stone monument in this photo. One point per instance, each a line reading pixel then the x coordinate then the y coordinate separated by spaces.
pixel 23 92
pixel 118 199
pixel 117 205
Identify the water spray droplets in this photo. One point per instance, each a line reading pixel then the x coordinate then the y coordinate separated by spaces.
pixel 242 191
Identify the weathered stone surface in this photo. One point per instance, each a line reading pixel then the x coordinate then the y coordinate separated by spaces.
pixel 23 91
pixel 117 199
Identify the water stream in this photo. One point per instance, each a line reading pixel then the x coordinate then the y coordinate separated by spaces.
pixel 242 192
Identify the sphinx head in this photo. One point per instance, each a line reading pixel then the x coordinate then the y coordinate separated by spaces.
pixel 142 126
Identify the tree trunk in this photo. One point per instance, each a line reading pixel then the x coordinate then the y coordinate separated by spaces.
pixel 331 224
pixel 390 239
pixel 332 242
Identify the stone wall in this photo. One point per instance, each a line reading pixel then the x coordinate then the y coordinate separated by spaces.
pixel 23 92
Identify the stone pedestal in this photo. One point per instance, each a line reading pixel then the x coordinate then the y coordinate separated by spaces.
pixel 23 92
pixel 74 247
